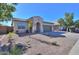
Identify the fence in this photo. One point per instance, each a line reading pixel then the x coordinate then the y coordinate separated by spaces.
pixel 5 29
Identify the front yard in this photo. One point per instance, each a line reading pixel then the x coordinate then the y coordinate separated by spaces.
pixel 44 44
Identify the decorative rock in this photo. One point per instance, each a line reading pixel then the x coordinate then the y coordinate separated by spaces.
pixel 55 43
pixel 4 48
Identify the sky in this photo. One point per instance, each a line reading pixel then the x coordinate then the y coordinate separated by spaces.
pixel 48 11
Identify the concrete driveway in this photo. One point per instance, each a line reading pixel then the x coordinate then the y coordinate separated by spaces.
pixel 66 43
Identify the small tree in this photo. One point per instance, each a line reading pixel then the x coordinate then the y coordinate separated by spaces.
pixel 61 21
pixel 6 10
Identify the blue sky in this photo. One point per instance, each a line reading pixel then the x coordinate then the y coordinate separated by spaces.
pixel 49 11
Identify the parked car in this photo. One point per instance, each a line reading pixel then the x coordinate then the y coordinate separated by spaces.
pixel 62 29
pixel 77 30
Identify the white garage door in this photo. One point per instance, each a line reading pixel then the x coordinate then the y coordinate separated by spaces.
pixel 47 28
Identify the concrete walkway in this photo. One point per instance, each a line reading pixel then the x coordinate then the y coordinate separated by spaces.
pixel 75 49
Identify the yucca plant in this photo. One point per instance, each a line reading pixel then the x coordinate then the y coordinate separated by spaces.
pixel 9 35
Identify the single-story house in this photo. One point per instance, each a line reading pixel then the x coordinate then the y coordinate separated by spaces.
pixel 33 24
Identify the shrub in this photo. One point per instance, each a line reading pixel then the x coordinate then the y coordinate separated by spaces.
pixel 18 49
pixel 15 51
pixel 10 35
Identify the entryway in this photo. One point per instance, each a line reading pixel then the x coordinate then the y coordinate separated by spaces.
pixel 38 27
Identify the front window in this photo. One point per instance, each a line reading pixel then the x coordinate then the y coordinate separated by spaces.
pixel 21 25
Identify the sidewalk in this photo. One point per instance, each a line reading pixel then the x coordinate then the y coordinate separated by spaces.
pixel 75 49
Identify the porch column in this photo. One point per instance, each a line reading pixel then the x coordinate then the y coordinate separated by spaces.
pixel 33 28
pixel 52 27
pixel 41 28
pixel 15 26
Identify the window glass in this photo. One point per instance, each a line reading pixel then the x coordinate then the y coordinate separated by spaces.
pixel 21 25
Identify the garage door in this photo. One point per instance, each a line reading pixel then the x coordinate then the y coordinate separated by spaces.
pixel 47 28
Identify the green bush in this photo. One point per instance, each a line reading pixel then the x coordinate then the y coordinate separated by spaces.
pixel 15 51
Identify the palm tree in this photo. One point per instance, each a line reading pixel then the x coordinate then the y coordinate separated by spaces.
pixel 6 10
pixel 77 23
pixel 69 20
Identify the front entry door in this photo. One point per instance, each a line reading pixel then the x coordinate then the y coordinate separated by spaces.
pixel 38 27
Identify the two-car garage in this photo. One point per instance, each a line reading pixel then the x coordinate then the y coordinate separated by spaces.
pixel 47 28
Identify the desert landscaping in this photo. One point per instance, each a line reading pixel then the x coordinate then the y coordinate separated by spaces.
pixel 44 44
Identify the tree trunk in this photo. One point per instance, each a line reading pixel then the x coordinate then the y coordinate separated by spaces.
pixel 67 29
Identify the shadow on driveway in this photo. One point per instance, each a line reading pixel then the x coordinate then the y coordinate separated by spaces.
pixel 51 34
pixel 54 34
pixel 25 34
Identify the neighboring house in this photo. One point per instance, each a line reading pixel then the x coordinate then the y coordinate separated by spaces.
pixel 37 25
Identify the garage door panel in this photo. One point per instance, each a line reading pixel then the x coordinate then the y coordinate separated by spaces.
pixel 47 28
